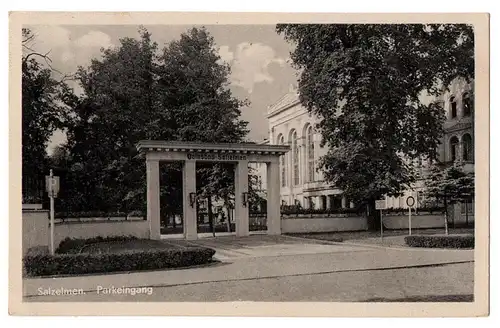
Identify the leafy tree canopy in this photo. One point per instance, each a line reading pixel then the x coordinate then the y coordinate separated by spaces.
pixel 134 92
pixel 364 82
pixel 450 184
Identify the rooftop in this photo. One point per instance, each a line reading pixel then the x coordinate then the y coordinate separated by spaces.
pixel 288 100
pixel 183 146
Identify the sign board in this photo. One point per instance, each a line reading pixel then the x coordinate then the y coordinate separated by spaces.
pixel 380 204
pixel 52 185
pixel 410 201
pixel 217 157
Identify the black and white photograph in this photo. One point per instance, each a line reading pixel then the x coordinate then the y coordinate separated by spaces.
pixel 338 162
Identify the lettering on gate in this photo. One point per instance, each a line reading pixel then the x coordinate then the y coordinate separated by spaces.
pixel 218 157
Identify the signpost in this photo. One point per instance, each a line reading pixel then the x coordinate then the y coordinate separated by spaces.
pixel 52 187
pixel 381 205
pixel 410 201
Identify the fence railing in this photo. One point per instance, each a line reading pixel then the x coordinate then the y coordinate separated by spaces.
pixel 33 189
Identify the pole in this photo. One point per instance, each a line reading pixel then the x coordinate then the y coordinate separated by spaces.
pixel 409 219
pixel 467 213
pixel 445 216
pixel 51 195
pixel 381 226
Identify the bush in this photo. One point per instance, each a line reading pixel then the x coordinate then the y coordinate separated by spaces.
pixel 440 241
pixel 94 214
pixel 62 264
pixel 400 210
pixel 73 246
pixel 297 210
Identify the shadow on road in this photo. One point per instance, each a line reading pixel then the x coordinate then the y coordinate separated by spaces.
pixel 427 298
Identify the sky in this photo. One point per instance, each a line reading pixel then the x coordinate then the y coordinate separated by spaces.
pixel 258 56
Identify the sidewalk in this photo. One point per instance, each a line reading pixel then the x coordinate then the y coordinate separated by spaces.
pixel 260 267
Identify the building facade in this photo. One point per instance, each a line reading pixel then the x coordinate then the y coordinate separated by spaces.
pixel 301 183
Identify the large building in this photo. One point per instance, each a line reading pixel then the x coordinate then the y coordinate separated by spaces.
pixel 301 183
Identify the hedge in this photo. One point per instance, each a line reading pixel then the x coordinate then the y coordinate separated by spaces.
pixel 400 210
pixel 73 246
pixel 63 264
pixel 440 241
pixel 96 214
pixel 296 210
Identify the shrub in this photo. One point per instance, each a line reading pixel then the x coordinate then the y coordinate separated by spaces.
pixel 62 264
pixel 137 213
pixel 400 210
pixel 440 241
pixel 91 214
pixel 296 210
pixel 73 246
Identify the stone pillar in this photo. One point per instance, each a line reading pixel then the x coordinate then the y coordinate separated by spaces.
pixel 303 161
pixel 189 212
pixel 351 205
pixel 328 202
pixel 273 199
pixel 153 197
pixel 344 202
pixel 240 187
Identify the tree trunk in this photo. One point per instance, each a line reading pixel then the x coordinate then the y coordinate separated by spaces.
pixel 210 214
pixel 445 216
pixel 228 219
pixel 466 214
pixel 373 216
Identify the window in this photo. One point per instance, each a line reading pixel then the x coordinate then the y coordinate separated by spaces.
pixel 453 107
pixel 281 141
pixel 467 104
pixel 295 155
pixel 310 153
pixel 468 152
pixel 453 148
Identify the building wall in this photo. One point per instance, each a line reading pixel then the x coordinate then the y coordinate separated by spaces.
pixel 35 229
pixel 137 228
pixel 287 116
pixel 304 225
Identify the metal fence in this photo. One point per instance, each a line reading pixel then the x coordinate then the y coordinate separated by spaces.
pixel 33 189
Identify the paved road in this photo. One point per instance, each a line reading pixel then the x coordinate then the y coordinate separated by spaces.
pixel 452 282
pixel 287 269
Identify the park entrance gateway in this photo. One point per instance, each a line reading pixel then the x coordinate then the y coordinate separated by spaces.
pixel 189 153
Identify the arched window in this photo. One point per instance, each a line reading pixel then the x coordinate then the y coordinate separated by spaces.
pixel 310 153
pixel 467 104
pixel 453 148
pixel 295 158
pixel 453 107
pixel 468 151
pixel 281 141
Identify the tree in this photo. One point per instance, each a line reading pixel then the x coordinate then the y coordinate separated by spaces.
pixel 255 199
pixel 364 82
pixel 42 112
pixel 134 93
pixel 450 185
pixel 200 106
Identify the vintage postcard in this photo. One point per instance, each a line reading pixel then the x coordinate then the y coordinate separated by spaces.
pixel 238 164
